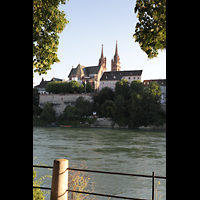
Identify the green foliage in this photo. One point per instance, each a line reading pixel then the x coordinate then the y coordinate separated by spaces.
pixel 105 94
pixel 136 110
pixel 57 87
pixel 137 86
pixel 37 110
pixel 69 113
pixel 48 113
pixel 108 109
pixel 83 107
pixel 35 96
pixel 37 193
pixel 122 88
pixel 74 87
pixel 150 31
pixel 132 105
pixel 48 22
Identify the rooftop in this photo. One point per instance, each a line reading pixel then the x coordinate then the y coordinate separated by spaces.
pixel 117 75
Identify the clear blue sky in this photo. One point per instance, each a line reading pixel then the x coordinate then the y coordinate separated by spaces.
pixel 96 22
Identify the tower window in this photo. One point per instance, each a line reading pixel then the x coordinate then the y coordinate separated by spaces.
pixel 129 78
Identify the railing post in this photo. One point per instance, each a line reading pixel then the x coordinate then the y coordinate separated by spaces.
pixel 59 183
pixel 153 177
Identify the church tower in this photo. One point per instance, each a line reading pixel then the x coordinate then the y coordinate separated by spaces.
pixel 115 64
pixel 102 61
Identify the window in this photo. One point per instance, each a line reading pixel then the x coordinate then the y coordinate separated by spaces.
pixel 133 77
pixel 114 77
pixel 138 77
pixel 129 78
pixel 102 82
pixel 111 82
pixel 106 77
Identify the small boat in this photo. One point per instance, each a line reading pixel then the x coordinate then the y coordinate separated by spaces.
pixel 65 126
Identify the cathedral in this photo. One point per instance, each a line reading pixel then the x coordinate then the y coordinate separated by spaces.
pixel 93 74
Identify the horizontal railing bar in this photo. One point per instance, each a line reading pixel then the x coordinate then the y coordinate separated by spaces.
pixel 43 188
pixel 163 177
pixel 104 195
pixel 116 173
pixel 41 166
pixel 103 172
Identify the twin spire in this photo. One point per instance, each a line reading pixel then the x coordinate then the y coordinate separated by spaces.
pixel 115 64
pixel 116 51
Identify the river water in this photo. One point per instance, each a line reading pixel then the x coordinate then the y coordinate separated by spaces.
pixel 125 151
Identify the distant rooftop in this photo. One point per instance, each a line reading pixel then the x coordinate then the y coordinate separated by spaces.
pixel 117 75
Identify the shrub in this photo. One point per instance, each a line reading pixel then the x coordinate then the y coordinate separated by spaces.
pixel 48 113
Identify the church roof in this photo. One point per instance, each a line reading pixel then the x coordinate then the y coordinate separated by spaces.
pixel 117 75
pixel 80 69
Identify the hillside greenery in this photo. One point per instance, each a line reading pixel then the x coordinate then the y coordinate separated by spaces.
pixel 131 105
pixel 57 87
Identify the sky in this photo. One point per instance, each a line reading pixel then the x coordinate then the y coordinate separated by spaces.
pixel 96 22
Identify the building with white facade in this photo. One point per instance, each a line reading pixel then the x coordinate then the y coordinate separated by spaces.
pixel 109 79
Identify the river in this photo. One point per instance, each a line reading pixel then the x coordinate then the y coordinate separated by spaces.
pixel 115 150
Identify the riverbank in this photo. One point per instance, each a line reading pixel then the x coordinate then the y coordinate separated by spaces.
pixel 92 123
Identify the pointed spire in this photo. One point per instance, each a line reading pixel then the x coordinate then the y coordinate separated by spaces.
pixel 102 52
pixel 116 51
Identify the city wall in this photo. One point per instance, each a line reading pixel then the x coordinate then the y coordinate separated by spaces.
pixel 60 101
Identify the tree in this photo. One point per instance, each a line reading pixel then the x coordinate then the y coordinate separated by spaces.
pixel 69 112
pixel 105 94
pixel 35 96
pixel 53 87
pixel 74 87
pixel 83 107
pixel 108 109
pixel 137 86
pixel 121 114
pixel 136 111
pixel 150 31
pixel 48 22
pixel 37 110
pixel 48 113
pixel 154 92
pixel 151 105
pixel 122 88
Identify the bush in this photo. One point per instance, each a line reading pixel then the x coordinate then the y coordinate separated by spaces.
pixel 48 113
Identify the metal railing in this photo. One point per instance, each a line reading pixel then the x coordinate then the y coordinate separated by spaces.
pixel 105 172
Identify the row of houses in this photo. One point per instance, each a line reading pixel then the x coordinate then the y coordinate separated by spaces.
pixel 99 77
